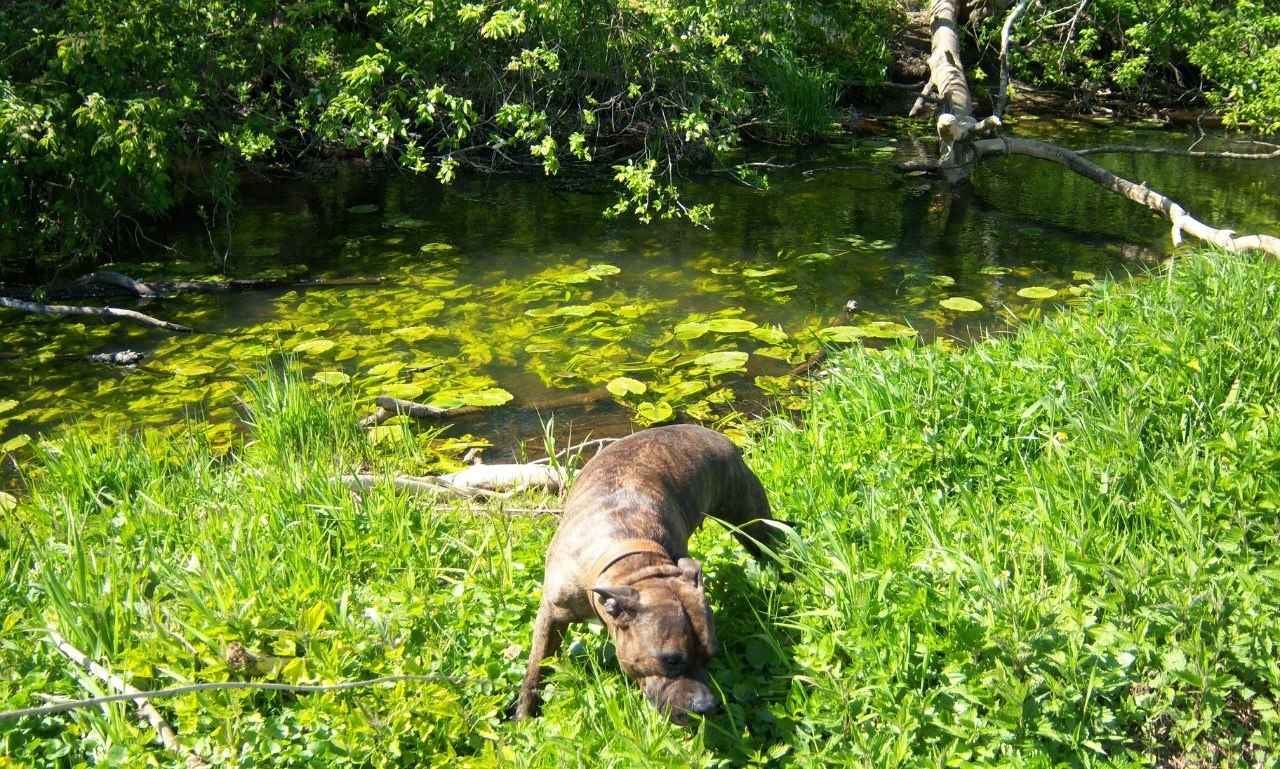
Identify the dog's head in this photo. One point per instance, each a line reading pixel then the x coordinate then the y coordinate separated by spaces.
pixel 661 627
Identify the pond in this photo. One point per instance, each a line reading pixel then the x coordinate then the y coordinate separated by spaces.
pixel 516 295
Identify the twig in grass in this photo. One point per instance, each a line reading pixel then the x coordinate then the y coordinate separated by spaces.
pixel 167 736
pixel 578 449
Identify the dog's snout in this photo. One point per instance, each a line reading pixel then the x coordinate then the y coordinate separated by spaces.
pixel 703 704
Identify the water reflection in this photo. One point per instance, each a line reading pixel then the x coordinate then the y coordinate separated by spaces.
pixel 483 283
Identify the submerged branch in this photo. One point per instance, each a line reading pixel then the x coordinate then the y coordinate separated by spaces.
pixel 111 312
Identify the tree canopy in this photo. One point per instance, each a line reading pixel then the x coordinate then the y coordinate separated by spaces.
pixel 111 112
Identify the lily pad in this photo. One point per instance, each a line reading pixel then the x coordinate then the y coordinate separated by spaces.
pixel 624 385
pixel 961 304
pixel 193 369
pixel 691 329
pixel 654 413
pixel 493 396
pixel 881 329
pixel 7 405
pixel 1037 292
pixel 403 390
pixel 366 208
pixel 768 335
pixel 331 378
pixel 313 346
pixel 730 325
pixel 15 443
pixel 722 361
pixel 1082 275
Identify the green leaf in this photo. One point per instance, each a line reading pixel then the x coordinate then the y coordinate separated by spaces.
pixel 880 329
pixel 8 502
pixel 403 390
pixel 331 378
pixel 312 347
pixel 961 304
pixel 7 405
pixel 1037 292
pixel 722 361
pixel 730 325
pixel 193 369
pixel 1081 275
pixel 768 335
pixel 691 329
pixel 623 386
pixel 654 413
pixel 314 617
pixel 15 443
pixel 493 396
pixel 367 208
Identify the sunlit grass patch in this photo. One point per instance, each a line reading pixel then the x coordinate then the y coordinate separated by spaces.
pixel 1057 546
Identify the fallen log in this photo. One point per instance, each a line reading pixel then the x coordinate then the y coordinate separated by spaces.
pixel 473 481
pixel 110 312
pixel 389 407
pixel 1138 193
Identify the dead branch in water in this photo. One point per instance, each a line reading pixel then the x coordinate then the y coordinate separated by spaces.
pixel 109 312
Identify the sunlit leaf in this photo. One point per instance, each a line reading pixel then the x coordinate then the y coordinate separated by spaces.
pixel 654 413
pixel 991 270
pixel 313 346
pixel 961 304
pixel 493 396
pixel 730 325
pixel 1081 275
pixel 768 335
pixel 192 369
pixel 331 378
pixel 403 390
pixel 1037 292
pixel 15 443
pixel 623 386
pixel 722 361
pixel 691 329
pixel 8 502
pixel 7 405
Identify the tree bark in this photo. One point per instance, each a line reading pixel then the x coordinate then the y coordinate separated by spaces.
pixel 955 124
pixel 110 312
pixel 1138 193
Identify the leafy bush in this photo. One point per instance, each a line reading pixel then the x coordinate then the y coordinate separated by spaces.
pixel 104 121
pixel 1227 52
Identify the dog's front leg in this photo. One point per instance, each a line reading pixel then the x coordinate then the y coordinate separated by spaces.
pixel 548 633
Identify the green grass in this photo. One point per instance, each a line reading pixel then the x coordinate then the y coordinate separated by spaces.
pixel 1058 547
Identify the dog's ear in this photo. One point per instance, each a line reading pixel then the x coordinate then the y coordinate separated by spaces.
pixel 691 571
pixel 620 603
pixel 696 608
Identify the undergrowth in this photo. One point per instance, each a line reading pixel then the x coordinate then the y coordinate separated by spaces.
pixel 1056 547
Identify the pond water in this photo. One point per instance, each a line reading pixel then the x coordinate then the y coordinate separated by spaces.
pixel 515 294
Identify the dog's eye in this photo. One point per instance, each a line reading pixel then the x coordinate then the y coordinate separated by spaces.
pixel 673 660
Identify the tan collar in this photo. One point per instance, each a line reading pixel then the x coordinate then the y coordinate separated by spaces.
pixel 622 550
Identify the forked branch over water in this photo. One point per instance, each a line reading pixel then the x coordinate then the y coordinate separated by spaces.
pixel 963 140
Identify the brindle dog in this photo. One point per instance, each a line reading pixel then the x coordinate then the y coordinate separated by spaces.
pixel 621 555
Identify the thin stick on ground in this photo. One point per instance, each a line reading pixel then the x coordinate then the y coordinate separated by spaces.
pixel 167 736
